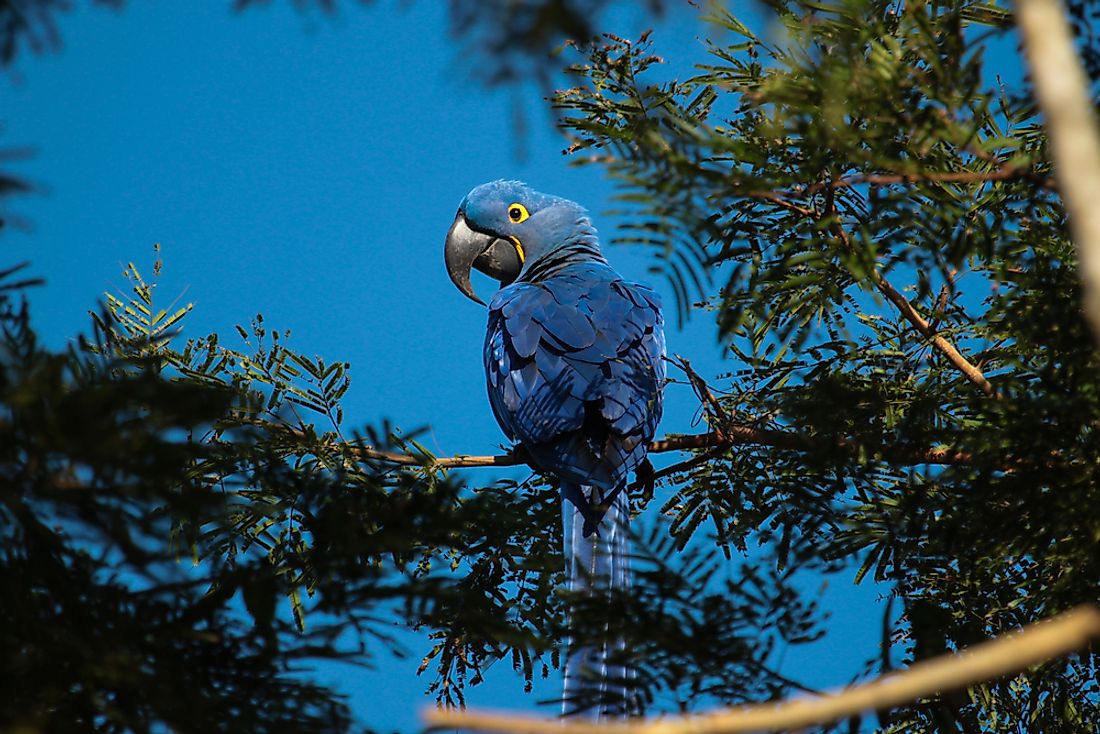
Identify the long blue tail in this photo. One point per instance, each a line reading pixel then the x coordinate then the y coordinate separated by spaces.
pixel 597 556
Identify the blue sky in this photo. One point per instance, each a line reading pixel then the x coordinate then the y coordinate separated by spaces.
pixel 308 167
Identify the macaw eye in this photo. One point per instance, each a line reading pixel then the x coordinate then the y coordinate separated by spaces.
pixel 517 213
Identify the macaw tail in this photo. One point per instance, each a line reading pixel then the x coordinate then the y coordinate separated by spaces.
pixel 597 556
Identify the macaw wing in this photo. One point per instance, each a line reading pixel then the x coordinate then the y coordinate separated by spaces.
pixel 576 364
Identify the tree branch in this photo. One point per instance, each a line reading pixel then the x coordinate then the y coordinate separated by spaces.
pixel 737 435
pixel 1005 655
pixel 969 370
pixel 779 200
pixel 1061 88
pixel 945 347
pixel 1006 172
pixel 458 461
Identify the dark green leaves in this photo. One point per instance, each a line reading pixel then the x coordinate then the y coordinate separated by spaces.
pixel 864 190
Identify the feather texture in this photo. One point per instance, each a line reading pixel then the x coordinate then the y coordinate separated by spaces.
pixel 575 367
pixel 574 361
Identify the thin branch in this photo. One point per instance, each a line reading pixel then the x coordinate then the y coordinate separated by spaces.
pixel 702 391
pixel 737 435
pixel 778 199
pixel 680 466
pixel 1002 656
pixel 969 370
pixel 1061 88
pixel 459 461
pixel 1006 172
pixel 906 309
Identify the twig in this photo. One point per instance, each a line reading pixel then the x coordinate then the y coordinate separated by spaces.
pixel 685 465
pixel 945 347
pixel 458 461
pixel 1004 173
pixel 1063 94
pixel 702 390
pixel 911 315
pixel 778 199
pixel 1005 655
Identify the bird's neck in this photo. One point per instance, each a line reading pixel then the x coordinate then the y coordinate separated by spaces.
pixel 578 249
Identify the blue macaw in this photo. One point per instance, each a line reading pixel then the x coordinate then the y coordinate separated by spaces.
pixel 574 361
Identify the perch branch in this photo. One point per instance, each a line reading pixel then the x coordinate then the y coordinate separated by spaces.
pixel 737 435
pixel 1005 655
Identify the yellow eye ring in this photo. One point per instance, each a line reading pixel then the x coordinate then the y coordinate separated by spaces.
pixel 517 213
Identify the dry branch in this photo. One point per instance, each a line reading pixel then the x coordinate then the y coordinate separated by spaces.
pixel 1005 655
pixel 1063 94
pixel 945 347
pixel 782 201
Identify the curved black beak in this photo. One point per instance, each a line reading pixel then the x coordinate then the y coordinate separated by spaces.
pixel 467 248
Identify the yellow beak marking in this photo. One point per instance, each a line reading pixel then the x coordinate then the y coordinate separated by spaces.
pixel 519 249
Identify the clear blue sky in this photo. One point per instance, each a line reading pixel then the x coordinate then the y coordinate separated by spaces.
pixel 308 168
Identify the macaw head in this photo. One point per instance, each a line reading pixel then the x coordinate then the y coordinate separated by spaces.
pixel 503 227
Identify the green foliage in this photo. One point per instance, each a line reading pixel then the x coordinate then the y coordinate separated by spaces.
pixel 159 503
pixel 172 493
pixel 844 194
pixel 102 626
pixel 865 149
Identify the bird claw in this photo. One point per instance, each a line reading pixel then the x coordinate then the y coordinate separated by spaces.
pixel 521 455
pixel 643 480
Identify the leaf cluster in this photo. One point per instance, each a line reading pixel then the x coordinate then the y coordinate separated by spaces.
pixel 205 508
pixel 847 196
pixel 163 502
pixel 102 626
